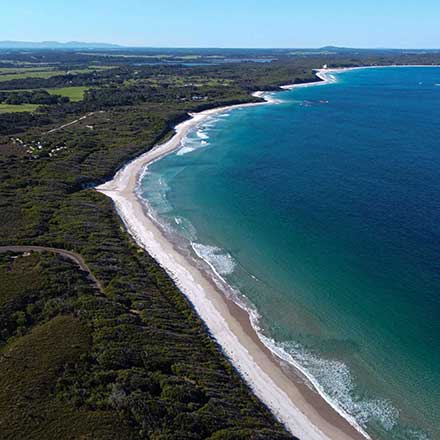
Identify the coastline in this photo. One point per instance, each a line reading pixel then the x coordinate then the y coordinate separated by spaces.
pixel 283 388
pixel 323 73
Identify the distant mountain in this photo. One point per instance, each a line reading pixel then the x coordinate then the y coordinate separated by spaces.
pixel 336 49
pixel 55 45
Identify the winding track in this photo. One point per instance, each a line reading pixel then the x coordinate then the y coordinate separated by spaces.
pixel 72 256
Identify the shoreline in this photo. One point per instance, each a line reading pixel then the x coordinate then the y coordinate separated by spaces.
pixel 321 73
pixel 293 398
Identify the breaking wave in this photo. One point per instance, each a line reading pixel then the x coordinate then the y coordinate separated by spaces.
pixel 334 382
pixel 202 134
pixel 221 262
pixel 192 143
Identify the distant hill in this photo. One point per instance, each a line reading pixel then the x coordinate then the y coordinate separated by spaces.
pixel 55 45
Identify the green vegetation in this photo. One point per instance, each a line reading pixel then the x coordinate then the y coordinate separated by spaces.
pixel 33 72
pixel 80 354
pixel 13 108
pixel 100 67
pixel 135 362
pixel 44 342
pixel 74 94
pixel 29 74
pixel 21 70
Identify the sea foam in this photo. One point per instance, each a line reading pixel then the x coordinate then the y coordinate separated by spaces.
pixel 191 143
pixel 334 381
pixel 202 134
pixel 221 262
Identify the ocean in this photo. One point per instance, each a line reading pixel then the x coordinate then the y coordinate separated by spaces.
pixel 321 211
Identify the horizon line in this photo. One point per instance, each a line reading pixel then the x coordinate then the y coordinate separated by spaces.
pixel 135 46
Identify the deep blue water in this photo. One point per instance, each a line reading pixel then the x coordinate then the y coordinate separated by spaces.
pixel 324 211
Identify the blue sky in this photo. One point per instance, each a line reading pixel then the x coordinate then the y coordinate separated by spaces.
pixel 226 23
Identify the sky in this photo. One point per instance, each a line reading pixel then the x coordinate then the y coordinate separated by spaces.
pixel 226 23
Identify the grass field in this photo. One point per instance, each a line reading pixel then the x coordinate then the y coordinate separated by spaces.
pixel 101 67
pixel 14 70
pixel 73 93
pixel 30 74
pixel 9 108
pixel 26 73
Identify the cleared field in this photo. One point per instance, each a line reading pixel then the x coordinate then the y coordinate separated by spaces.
pixel 73 93
pixel 23 73
pixel 178 81
pixel 30 74
pixel 15 70
pixel 101 67
pixel 9 108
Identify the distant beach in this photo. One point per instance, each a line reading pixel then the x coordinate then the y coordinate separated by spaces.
pixel 282 388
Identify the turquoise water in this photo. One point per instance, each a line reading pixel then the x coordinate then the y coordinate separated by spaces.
pixel 324 212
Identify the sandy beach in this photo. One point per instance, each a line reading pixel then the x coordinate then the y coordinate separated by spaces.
pixel 292 399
